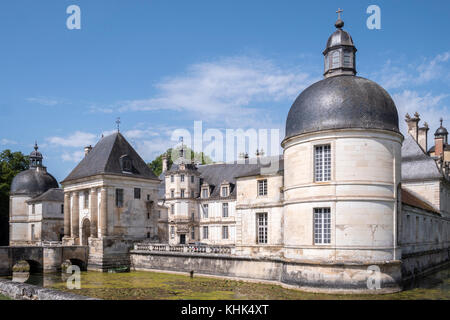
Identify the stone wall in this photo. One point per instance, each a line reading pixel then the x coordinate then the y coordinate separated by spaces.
pixel 306 275
pixel 21 291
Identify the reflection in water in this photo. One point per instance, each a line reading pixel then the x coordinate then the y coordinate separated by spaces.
pixel 159 285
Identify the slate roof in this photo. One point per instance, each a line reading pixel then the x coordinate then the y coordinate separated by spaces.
pixel 50 195
pixel 34 181
pixel 104 158
pixel 416 165
pixel 215 174
pixel 412 200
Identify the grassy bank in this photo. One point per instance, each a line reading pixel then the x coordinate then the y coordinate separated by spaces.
pixel 2 297
pixel 157 286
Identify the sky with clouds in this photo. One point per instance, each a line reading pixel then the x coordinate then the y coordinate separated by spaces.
pixel 161 65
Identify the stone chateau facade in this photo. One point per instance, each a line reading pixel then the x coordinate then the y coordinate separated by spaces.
pixel 349 194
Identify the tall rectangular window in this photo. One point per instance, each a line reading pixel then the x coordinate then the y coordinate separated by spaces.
pixel 62 209
pixel 86 199
pixel 262 188
pixel 192 179
pixel 205 210
pixel 204 193
pixel 322 163
pixel 172 232
pixel 225 210
pixel 224 232
pixel 172 178
pixel 182 178
pixel 137 193
pixel 172 209
pixel 172 193
pixel 261 224
pixel 322 226
pixel 182 193
pixel 119 198
pixel 193 233
pixel 192 194
pixel 32 233
pixel 205 233
pixel 33 208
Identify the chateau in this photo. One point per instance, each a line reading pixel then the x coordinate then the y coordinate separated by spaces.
pixel 350 197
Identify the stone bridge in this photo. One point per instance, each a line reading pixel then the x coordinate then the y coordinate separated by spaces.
pixel 43 258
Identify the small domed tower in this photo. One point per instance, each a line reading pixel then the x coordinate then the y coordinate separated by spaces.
pixel 25 186
pixel 342 157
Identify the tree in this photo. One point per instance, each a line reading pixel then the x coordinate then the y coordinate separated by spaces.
pixel 11 163
pixel 156 165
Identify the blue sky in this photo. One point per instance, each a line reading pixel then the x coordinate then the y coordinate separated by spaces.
pixel 161 65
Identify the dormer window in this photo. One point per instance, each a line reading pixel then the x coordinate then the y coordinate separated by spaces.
pixel 205 192
pixel 225 191
pixel 126 164
pixel 172 178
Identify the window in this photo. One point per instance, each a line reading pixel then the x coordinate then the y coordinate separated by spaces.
pixel 224 232
pixel 126 164
pixel 205 210
pixel 33 208
pixel 86 199
pixel 62 209
pixel 193 233
pixel 204 193
pixel 119 198
pixel 182 193
pixel 322 163
pixel 192 194
pixel 224 191
pixel 172 209
pixel 172 193
pixel 148 197
pixel 262 227
pixel 172 178
pixel 335 60
pixel 322 226
pixel 225 210
pixel 148 214
pixel 192 179
pixel 193 216
pixel 348 59
pixel 32 233
pixel 262 188
pixel 159 214
pixel 172 232
pixel 148 234
pixel 182 178
pixel 137 193
pixel 205 233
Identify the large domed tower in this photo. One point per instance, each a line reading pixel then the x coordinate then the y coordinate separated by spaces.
pixel 342 154
pixel 28 185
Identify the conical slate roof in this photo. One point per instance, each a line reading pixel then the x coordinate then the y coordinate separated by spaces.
pixel 105 159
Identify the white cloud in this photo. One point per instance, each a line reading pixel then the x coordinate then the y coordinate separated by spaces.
pixel 75 157
pixel 430 107
pixel 5 142
pixel 45 101
pixel 231 87
pixel 76 140
pixel 432 69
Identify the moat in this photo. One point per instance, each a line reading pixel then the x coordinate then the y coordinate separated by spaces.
pixel 162 286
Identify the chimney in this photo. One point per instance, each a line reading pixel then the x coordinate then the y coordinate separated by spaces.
pixel 413 125
pixel 423 137
pixel 164 164
pixel 439 146
pixel 87 150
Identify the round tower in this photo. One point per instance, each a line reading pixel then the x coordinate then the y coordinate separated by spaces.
pixel 342 160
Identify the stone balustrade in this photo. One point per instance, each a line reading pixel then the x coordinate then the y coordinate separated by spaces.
pixel 204 249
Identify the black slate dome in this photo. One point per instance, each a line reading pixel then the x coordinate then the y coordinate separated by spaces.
pixel 33 182
pixel 342 102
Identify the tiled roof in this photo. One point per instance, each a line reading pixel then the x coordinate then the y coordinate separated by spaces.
pixel 49 195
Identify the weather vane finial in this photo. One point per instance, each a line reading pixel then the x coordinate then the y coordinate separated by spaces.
pixel 442 120
pixel 118 124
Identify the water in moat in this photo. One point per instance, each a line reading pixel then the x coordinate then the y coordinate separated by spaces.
pixel 139 285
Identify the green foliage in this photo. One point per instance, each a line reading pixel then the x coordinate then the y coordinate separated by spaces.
pixel 11 163
pixel 156 165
